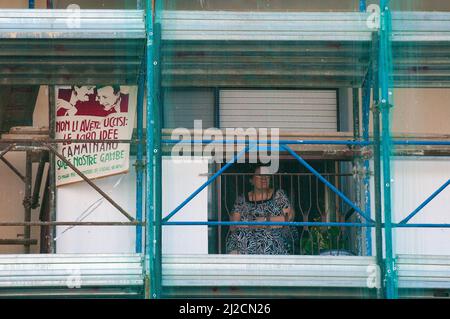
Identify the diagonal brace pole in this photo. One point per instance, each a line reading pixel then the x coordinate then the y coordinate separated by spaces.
pixel 209 181
pixel 323 180
pixel 425 203
pixel 87 180
pixel 6 150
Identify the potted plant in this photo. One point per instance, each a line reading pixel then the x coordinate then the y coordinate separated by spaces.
pixel 324 241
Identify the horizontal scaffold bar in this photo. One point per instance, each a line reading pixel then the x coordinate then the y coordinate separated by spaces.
pixel 281 142
pixel 267 224
pixel 298 224
pixel 12 224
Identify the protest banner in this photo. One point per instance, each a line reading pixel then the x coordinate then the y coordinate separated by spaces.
pixel 94 113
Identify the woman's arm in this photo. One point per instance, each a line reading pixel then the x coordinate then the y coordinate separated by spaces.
pixel 288 216
pixel 287 209
pixel 236 217
pixel 290 213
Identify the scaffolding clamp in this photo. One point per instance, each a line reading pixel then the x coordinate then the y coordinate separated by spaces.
pixel 27 202
pixel 375 108
pixel 385 105
pixel 140 165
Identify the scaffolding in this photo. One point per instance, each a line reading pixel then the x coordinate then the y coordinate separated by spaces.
pixel 377 63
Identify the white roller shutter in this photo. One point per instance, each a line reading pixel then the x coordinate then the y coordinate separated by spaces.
pixel 182 107
pixel 305 110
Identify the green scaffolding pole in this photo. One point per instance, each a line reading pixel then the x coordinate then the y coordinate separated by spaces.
pixel 153 165
pixel 386 97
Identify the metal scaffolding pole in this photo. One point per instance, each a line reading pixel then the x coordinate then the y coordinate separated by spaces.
pixel 52 166
pixel 365 93
pixel 140 165
pixel 153 217
pixel 139 158
pixel 385 72
pixel 362 5
pixel 366 163
pixel 27 200
pixel 377 161
pixel 157 156
pixel 356 160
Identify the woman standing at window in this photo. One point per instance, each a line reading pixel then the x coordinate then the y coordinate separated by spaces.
pixel 262 204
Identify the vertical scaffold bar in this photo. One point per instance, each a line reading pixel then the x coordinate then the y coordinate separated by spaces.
pixel 31 4
pixel 356 130
pixel 356 160
pixel 157 154
pixel 52 166
pixel 140 156
pixel 365 132
pixel 152 280
pixel 140 146
pixel 377 161
pixel 149 208
pixel 366 164
pixel 27 200
pixel 362 5
pixel 385 71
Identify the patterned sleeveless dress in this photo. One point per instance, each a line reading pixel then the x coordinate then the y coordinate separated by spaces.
pixel 262 240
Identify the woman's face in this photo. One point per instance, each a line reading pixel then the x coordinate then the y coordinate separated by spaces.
pixel 260 181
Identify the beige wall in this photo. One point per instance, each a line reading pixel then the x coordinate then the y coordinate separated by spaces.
pixel 11 197
pixel 415 111
pixel 421 111
pixel 21 3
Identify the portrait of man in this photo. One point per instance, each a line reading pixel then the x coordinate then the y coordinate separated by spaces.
pixel 112 99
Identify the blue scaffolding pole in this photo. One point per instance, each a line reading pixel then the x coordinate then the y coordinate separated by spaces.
pixel 282 146
pixel 425 203
pixel 362 5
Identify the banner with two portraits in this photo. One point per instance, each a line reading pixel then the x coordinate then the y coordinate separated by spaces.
pixel 105 113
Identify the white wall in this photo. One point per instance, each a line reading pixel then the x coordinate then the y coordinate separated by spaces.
pixel 180 179
pixel 78 199
pixel 414 180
